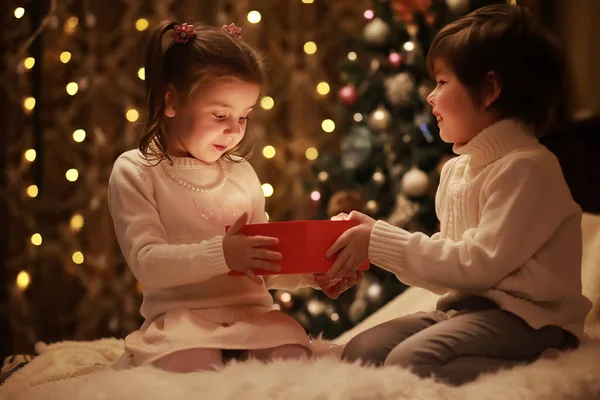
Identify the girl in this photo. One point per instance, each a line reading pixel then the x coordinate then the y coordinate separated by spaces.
pixel 171 199
pixel 507 259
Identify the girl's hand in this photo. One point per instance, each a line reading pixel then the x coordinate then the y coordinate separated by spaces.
pixel 352 247
pixel 334 287
pixel 245 253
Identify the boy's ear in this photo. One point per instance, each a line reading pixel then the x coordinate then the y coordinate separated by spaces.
pixel 171 97
pixel 492 87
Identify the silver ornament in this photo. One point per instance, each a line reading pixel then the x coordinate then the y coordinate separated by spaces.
pixel 458 6
pixel 399 89
pixel 377 32
pixel 404 212
pixel 356 147
pixel 380 118
pixel 414 182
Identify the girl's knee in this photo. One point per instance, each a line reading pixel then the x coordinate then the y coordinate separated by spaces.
pixel 191 360
pixel 285 352
pixel 289 351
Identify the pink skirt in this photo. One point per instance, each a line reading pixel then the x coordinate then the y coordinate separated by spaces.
pixel 180 329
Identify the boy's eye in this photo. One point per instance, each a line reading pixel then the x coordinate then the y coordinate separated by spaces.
pixel 440 83
pixel 242 119
pixel 217 116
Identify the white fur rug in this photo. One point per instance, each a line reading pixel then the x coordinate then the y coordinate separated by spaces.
pixel 573 376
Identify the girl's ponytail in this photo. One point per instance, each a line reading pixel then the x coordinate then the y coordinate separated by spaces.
pixel 155 86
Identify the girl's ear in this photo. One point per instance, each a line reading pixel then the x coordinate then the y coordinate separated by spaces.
pixel 492 87
pixel 171 97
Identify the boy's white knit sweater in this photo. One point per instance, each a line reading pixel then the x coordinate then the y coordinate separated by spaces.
pixel 172 237
pixel 510 232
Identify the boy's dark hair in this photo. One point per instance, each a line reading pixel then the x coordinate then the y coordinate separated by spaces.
pixel 508 41
pixel 211 56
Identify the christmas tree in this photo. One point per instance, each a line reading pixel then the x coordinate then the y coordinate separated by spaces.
pixel 390 155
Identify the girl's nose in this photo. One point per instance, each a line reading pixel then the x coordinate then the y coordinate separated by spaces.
pixel 233 127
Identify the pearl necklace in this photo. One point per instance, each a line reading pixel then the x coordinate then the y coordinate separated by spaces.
pixel 190 186
pixel 194 188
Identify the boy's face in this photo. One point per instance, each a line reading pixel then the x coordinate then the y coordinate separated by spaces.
pixel 459 117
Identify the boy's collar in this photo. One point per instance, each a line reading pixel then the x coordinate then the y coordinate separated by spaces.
pixel 495 141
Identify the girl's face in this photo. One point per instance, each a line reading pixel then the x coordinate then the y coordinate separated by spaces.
pixel 459 117
pixel 212 122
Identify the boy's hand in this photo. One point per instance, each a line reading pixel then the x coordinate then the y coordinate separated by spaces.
pixel 334 287
pixel 246 253
pixel 352 247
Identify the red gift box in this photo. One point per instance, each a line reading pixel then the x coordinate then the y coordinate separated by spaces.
pixel 302 244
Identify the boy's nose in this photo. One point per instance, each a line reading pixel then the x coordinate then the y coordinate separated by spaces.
pixel 431 97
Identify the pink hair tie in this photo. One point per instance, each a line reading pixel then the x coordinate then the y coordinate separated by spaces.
pixel 233 30
pixel 183 33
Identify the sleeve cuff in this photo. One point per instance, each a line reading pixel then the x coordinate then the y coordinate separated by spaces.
pixel 216 256
pixel 387 246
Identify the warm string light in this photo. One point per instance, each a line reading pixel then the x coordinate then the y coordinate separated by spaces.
pixel 315 195
pixel 409 46
pixel 374 291
pixel 65 57
pixel 72 175
pixel 36 239
pixel 269 152
pixel 32 191
pixel 310 48
pixel 357 117
pixel 267 103
pixel 71 25
pixel 79 135
pixel 23 280
pixel 132 115
pixel 352 56
pixel 285 297
pixel 142 74
pixel 311 153
pixel 323 88
pixel 30 155
pixel 78 257
pixel 29 103
pixel 328 125
pixel 76 222
pixel 72 88
pixel 254 17
pixel 141 24
pixel 19 12
pixel 29 62
pixel 267 189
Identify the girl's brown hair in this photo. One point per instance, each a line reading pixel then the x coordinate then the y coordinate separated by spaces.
pixel 211 56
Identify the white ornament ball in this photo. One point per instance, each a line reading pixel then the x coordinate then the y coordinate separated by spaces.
pixel 458 6
pixel 380 118
pixel 399 89
pixel 377 32
pixel 415 182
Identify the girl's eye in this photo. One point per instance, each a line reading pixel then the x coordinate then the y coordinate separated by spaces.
pixel 440 83
pixel 220 117
pixel 243 119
